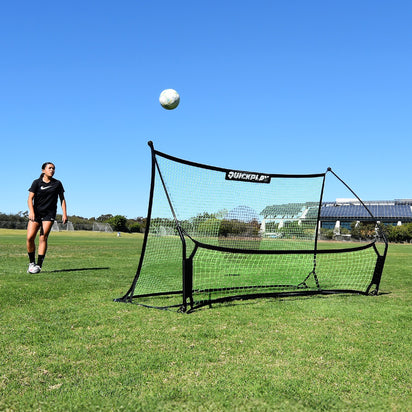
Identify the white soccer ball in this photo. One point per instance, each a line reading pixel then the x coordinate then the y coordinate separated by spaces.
pixel 169 99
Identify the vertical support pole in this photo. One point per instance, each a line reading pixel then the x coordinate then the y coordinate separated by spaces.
pixel 129 294
pixel 187 282
pixel 317 234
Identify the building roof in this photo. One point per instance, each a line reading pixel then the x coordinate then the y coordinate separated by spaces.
pixel 344 209
pixel 379 212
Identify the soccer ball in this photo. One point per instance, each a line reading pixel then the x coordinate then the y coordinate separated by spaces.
pixel 169 99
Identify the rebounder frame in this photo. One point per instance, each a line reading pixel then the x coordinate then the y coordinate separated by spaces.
pixel 186 290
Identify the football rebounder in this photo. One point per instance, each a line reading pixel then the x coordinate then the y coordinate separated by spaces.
pixel 216 234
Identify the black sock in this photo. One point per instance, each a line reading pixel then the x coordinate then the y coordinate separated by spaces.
pixel 40 259
pixel 32 257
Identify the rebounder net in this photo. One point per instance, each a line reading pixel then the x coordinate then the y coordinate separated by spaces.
pixel 215 234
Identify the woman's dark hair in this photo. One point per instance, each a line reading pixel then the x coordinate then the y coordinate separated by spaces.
pixel 43 166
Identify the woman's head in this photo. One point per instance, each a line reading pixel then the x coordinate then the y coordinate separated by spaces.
pixel 48 169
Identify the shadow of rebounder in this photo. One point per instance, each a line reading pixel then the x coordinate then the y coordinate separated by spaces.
pixel 74 270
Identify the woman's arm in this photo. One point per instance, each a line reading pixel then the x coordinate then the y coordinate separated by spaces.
pixel 64 207
pixel 30 205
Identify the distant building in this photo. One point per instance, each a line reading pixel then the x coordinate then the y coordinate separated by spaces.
pixel 336 215
pixel 343 212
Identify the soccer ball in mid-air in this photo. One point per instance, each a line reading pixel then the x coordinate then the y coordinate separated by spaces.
pixel 169 99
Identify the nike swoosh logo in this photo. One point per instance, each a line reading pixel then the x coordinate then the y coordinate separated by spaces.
pixel 44 187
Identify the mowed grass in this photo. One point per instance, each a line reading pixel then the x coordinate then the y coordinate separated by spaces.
pixel 66 346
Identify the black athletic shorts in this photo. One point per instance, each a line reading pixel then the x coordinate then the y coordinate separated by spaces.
pixel 44 217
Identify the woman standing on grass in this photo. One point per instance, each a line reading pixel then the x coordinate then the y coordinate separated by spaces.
pixel 43 196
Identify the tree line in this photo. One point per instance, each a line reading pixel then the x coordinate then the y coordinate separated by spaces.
pixel 368 231
pixel 118 223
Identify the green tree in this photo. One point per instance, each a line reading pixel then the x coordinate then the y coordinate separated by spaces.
pixel 209 226
pixel 118 223
pixel 104 218
pixel 135 227
pixel 363 230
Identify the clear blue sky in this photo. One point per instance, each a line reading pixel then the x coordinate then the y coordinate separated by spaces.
pixel 267 86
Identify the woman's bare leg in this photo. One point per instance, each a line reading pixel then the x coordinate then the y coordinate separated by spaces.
pixel 32 229
pixel 44 235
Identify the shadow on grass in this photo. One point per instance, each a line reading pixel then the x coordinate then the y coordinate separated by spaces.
pixel 254 300
pixel 74 270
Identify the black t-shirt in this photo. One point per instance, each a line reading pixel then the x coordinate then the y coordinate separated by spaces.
pixel 46 196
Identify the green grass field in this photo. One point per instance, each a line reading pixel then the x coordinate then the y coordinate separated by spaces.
pixel 66 346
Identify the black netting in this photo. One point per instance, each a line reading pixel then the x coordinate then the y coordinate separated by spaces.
pixel 218 233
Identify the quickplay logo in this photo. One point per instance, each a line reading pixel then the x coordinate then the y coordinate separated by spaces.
pixel 247 177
